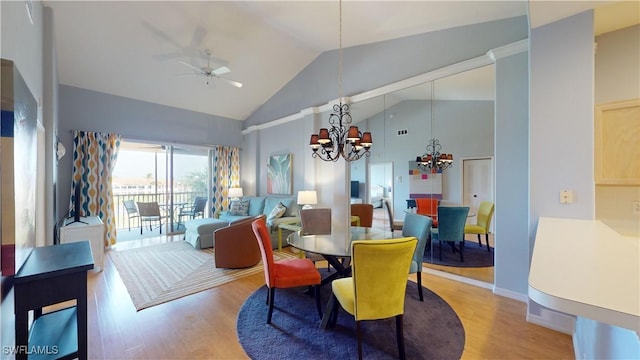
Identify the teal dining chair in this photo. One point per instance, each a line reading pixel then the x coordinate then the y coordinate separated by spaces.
pixel 450 230
pixel 418 226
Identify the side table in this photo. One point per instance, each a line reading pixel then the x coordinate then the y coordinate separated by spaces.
pixel 51 275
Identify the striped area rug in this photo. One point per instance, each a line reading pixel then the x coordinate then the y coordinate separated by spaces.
pixel 160 273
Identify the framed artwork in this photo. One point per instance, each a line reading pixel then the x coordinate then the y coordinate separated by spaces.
pixel 279 174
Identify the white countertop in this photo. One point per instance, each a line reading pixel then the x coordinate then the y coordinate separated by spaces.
pixel 584 268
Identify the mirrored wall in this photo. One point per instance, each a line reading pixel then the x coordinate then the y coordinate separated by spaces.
pixel 456 112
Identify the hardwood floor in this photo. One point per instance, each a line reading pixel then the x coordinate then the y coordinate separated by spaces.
pixel 203 325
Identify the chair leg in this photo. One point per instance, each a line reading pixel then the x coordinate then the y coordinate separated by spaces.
pixel 461 251
pixel 359 336
pixel 400 337
pixel 272 293
pixel 479 241
pixel 316 290
pixel 441 244
pixel 487 241
pixel 419 276
pixel 141 227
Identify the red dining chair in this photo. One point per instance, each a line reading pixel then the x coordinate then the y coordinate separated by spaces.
pixel 287 273
pixel 428 207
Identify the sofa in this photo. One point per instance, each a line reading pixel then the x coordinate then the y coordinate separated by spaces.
pixel 252 206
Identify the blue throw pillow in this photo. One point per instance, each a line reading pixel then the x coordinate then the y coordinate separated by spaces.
pixel 239 208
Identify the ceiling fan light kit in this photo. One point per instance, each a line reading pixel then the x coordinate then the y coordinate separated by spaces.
pixel 209 72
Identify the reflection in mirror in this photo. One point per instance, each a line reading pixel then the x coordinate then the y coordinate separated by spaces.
pixel 457 110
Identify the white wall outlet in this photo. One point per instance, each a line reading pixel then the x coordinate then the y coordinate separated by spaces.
pixel 566 197
pixel 636 207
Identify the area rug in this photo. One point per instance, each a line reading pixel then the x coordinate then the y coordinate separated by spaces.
pixel 474 255
pixel 432 330
pixel 156 274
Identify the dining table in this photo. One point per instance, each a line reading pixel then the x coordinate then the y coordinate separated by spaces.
pixel 335 250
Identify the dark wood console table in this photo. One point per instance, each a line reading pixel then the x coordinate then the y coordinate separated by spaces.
pixel 51 275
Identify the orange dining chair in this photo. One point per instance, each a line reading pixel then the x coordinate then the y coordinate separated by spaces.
pixel 364 212
pixel 428 207
pixel 284 274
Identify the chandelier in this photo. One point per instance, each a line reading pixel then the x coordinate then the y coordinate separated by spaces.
pixel 342 139
pixel 433 159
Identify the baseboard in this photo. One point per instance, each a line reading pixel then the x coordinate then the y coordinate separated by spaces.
pixel 554 321
pixel 458 278
pixel 511 294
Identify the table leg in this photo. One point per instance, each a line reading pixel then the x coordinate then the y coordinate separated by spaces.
pixel 279 239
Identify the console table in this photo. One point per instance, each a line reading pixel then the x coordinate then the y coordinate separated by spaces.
pixel 88 228
pixel 52 275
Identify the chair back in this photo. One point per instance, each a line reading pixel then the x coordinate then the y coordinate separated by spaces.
pixel 451 221
pixel 316 221
pixel 380 269
pixel 131 208
pixel 259 227
pixel 485 213
pixel 386 204
pixel 427 206
pixel 148 208
pixel 199 204
pixel 364 212
pixel 419 227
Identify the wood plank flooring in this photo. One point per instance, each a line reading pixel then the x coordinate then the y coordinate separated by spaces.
pixel 203 325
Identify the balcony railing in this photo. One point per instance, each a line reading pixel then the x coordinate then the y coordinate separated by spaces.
pixel 179 199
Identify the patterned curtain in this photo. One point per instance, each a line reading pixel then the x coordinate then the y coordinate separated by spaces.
pixel 94 158
pixel 226 173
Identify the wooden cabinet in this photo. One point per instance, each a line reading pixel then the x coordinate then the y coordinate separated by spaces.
pixel 617 143
pixel 89 228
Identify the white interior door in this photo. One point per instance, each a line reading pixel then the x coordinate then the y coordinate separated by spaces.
pixel 477 182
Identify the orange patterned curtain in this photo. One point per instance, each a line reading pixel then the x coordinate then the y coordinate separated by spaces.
pixel 226 173
pixel 94 158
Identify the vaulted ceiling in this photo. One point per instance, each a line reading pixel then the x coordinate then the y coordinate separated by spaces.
pixel 134 49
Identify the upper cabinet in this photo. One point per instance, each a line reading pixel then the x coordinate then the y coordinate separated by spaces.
pixel 617 143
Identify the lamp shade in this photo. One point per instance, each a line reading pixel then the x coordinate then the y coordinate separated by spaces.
pixel 235 192
pixel 307 197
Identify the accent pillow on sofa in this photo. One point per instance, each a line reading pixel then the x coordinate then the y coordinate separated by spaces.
pixel 277 211
pixel 239 208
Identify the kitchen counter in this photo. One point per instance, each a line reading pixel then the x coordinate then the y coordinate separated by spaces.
pixel 586 269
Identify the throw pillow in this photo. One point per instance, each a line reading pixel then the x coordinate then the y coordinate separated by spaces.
pixel 277 211
pixel 239 208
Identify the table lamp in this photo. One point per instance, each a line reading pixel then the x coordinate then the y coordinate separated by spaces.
pixel 235 193
pixel 307 198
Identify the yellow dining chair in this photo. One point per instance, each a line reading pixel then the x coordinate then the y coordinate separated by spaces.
pixel 483 222
pixel 378 285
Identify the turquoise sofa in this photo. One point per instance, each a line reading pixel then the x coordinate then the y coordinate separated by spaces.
pixel 263 205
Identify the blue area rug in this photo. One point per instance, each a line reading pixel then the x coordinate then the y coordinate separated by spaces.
pixel 474 255
pixel 432 330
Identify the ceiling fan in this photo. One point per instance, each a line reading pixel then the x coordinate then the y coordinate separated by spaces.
pixel 209 72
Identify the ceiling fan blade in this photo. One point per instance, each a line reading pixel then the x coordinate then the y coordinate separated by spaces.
pixel 221 70
pixel 191 66
pixel 232 82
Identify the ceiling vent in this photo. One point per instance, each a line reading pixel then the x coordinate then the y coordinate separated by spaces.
pixel 403 132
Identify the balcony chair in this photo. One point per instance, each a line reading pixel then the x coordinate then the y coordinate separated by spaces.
pixel 191 212
pixel 378 285
pixel 132 210
pixel 150 212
